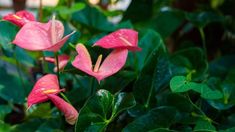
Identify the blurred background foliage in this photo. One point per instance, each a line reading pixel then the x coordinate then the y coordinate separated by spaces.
pixel 182 80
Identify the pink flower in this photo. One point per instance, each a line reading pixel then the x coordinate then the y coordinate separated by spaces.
pixel 69 111
pixel 63 60
pixel 38 36
pixel 20 18
pixel 122 38
pixel 112 63
pixel 47 84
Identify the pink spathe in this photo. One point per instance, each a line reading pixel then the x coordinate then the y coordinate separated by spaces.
pixel 47 84
pixel 112 63
pixel 122 38
pixel 20 18
pixel 36 36
pixel 63 60
pixel 69 111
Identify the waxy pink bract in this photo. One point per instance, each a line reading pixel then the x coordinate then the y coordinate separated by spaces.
pixel 63 60
pixel 38 36
pixel 20 18
pixel 47 84
pixel 122 38
pixel 112 63
pixel 69 111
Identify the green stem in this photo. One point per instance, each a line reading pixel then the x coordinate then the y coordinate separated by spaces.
pixel 57 65
pixel 149 97
pixel 40 12
pixel 203 40
pixel 93 89
pixel 64 97
pixel 195 106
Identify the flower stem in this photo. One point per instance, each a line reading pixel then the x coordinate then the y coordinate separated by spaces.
pixel 40 12
pixel 65 98
pixel 203 40
pixel 57 65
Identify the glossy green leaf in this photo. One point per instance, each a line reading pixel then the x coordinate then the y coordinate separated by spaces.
pixel 101 109
pixel 201 19
pixel 12 89
pixel 161 117
pixel 4 109
pixel 149 78
pixel 7 34
pixel 184 62
pixel 5 127
pixel 204 126
pixel 90 16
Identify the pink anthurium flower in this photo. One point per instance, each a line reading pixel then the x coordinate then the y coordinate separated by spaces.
pixel 38 36
pixel 20 18
pixel 69 111
pixel 112 63
pixel 122 38
pixel 47 84
pixel 63 60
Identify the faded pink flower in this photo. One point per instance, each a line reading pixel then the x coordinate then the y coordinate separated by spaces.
pixel 20 18
pixel 69 111
pixel 47 84
pixel 112 63
pixel 38 36
pixel 63 60
pixel 122 38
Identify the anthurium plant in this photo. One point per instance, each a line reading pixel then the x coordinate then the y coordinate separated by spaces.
pixel 164 66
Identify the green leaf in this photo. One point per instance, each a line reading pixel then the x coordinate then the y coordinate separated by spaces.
pixel 40 111
pixel 7 34
pixel 4 109
pixel 64 11
pixel 184 63
pixel 152 74
pixel 101 109
pixel 5 127
pixel 167 21
pixel 118 81
pixel 204 126
pixel 181 84
pixel 161 117
pixel 228 130
pixel 91 17
pixel 11 88
pixel 201 19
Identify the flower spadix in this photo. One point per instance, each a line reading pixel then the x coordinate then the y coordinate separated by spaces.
pixel 38 36
pixel 47 84
pixel 63 60
pixel 111 64
pixel 122 38
pixel 69 111
pixel 20 18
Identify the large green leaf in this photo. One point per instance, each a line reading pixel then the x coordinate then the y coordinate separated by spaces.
pixel 201 19
pixel 4 109
pixel 101 109
pixel 12 88
pixel 204 126
pixel 7 34
pixel 5 127
pixel 91 17
pixel 161 117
